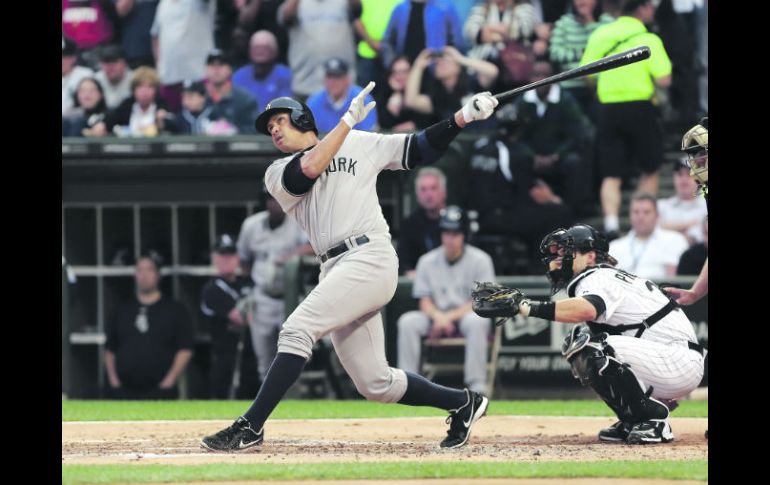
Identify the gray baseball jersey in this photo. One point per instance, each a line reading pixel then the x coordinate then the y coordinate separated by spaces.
pixel 352 287
pixel 343 201
pixel 263 246
pixel 450 285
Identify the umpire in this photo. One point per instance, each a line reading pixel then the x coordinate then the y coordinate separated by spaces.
pixel 229 328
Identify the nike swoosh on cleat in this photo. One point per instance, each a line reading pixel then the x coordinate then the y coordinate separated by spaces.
pixel 241 446
pixel 468 423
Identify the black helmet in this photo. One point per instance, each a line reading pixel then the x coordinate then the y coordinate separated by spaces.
pixel 300 115
pixel 453 218
pixel 565 243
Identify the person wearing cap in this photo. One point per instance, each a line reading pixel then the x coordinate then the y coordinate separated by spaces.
pixel 264 78
pixel 150 339
pixel 331 103
pixel 114 75
pixel 443 285
pixel 182 34
pixel 267 240
pixel 71 74
pixel 196 116
pixel 233 107
pixel 224 300
pixel 684 211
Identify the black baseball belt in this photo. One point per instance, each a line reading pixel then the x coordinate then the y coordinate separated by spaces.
pixel 342 247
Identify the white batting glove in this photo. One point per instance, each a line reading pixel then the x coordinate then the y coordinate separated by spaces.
pixel 357 111
pixel 480 107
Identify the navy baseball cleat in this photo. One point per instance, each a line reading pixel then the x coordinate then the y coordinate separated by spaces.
pixel 461 420
pixel 653 431
pixel 617 432
pixel 239 436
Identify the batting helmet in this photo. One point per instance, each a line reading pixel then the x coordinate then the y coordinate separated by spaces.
pixel 300 115
pixel 696 144
pixel 454 219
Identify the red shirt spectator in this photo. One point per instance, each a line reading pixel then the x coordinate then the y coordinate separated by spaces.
pixel 88 22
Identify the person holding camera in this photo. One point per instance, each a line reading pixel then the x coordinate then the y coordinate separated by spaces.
pixel 455 79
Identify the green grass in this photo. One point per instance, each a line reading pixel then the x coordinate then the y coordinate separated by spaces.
pixel 310 409
pixel 668 469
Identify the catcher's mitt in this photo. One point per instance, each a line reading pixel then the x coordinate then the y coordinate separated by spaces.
pixel 491 300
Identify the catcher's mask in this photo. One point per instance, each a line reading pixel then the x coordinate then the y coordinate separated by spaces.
pixel 695 143
pixel 561 246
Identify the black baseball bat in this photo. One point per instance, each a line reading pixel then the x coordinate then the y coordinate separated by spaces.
pixel 605 64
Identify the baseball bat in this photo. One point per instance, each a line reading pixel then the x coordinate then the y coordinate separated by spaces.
pixel 605 64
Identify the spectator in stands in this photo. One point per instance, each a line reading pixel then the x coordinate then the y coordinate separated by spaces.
pixel 318 30
pixel 71 74
pixel 182 35
pixel 691 262
pixel 628 132
pixel 136 17
pixel 452 83
pixel 416 25
pixel 90 109
pixel 264 78
pixel 370 28
pixel 196 117
pixel 684 211
pixel 503 188
pixel 420 232
pixel 331 103
pixel 138 115
pixel 149 339
pixel 254 16
pixel 493 23
pixel 552 137
pixel 443 285
pixel 114 75
pixel 222 302
pixel 234 109
pixel 392 113
pixel 90 24
pixel 568 40
pixel 648 250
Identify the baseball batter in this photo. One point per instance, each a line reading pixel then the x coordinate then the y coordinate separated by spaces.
pixel 641 354
pixel 329 187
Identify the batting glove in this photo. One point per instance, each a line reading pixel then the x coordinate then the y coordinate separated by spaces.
pixel 357 111
pixel 480 107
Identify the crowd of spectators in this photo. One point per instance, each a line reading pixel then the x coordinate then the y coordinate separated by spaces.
pixel 140 68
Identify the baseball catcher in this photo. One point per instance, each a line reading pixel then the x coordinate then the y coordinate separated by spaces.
pixel 638 352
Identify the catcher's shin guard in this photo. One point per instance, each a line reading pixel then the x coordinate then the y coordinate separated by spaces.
pixel 595 365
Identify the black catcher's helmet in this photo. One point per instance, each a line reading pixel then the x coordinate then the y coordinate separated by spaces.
pixel 299 113
pixel 564 243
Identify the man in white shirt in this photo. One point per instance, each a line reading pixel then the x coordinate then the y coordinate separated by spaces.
pixel 114 75
pixel 684 211
pixel 648 251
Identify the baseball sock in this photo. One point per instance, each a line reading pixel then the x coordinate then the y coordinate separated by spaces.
pixel 283 372
pixel 422 392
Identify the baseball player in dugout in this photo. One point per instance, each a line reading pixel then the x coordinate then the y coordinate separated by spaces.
pixel 267 240
pixel 224 302
pixel 329 187
pixel 638 351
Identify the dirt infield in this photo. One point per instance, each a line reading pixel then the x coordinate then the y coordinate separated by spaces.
pixel 495 438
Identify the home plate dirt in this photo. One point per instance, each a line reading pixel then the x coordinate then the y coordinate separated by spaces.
pixel 494 438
